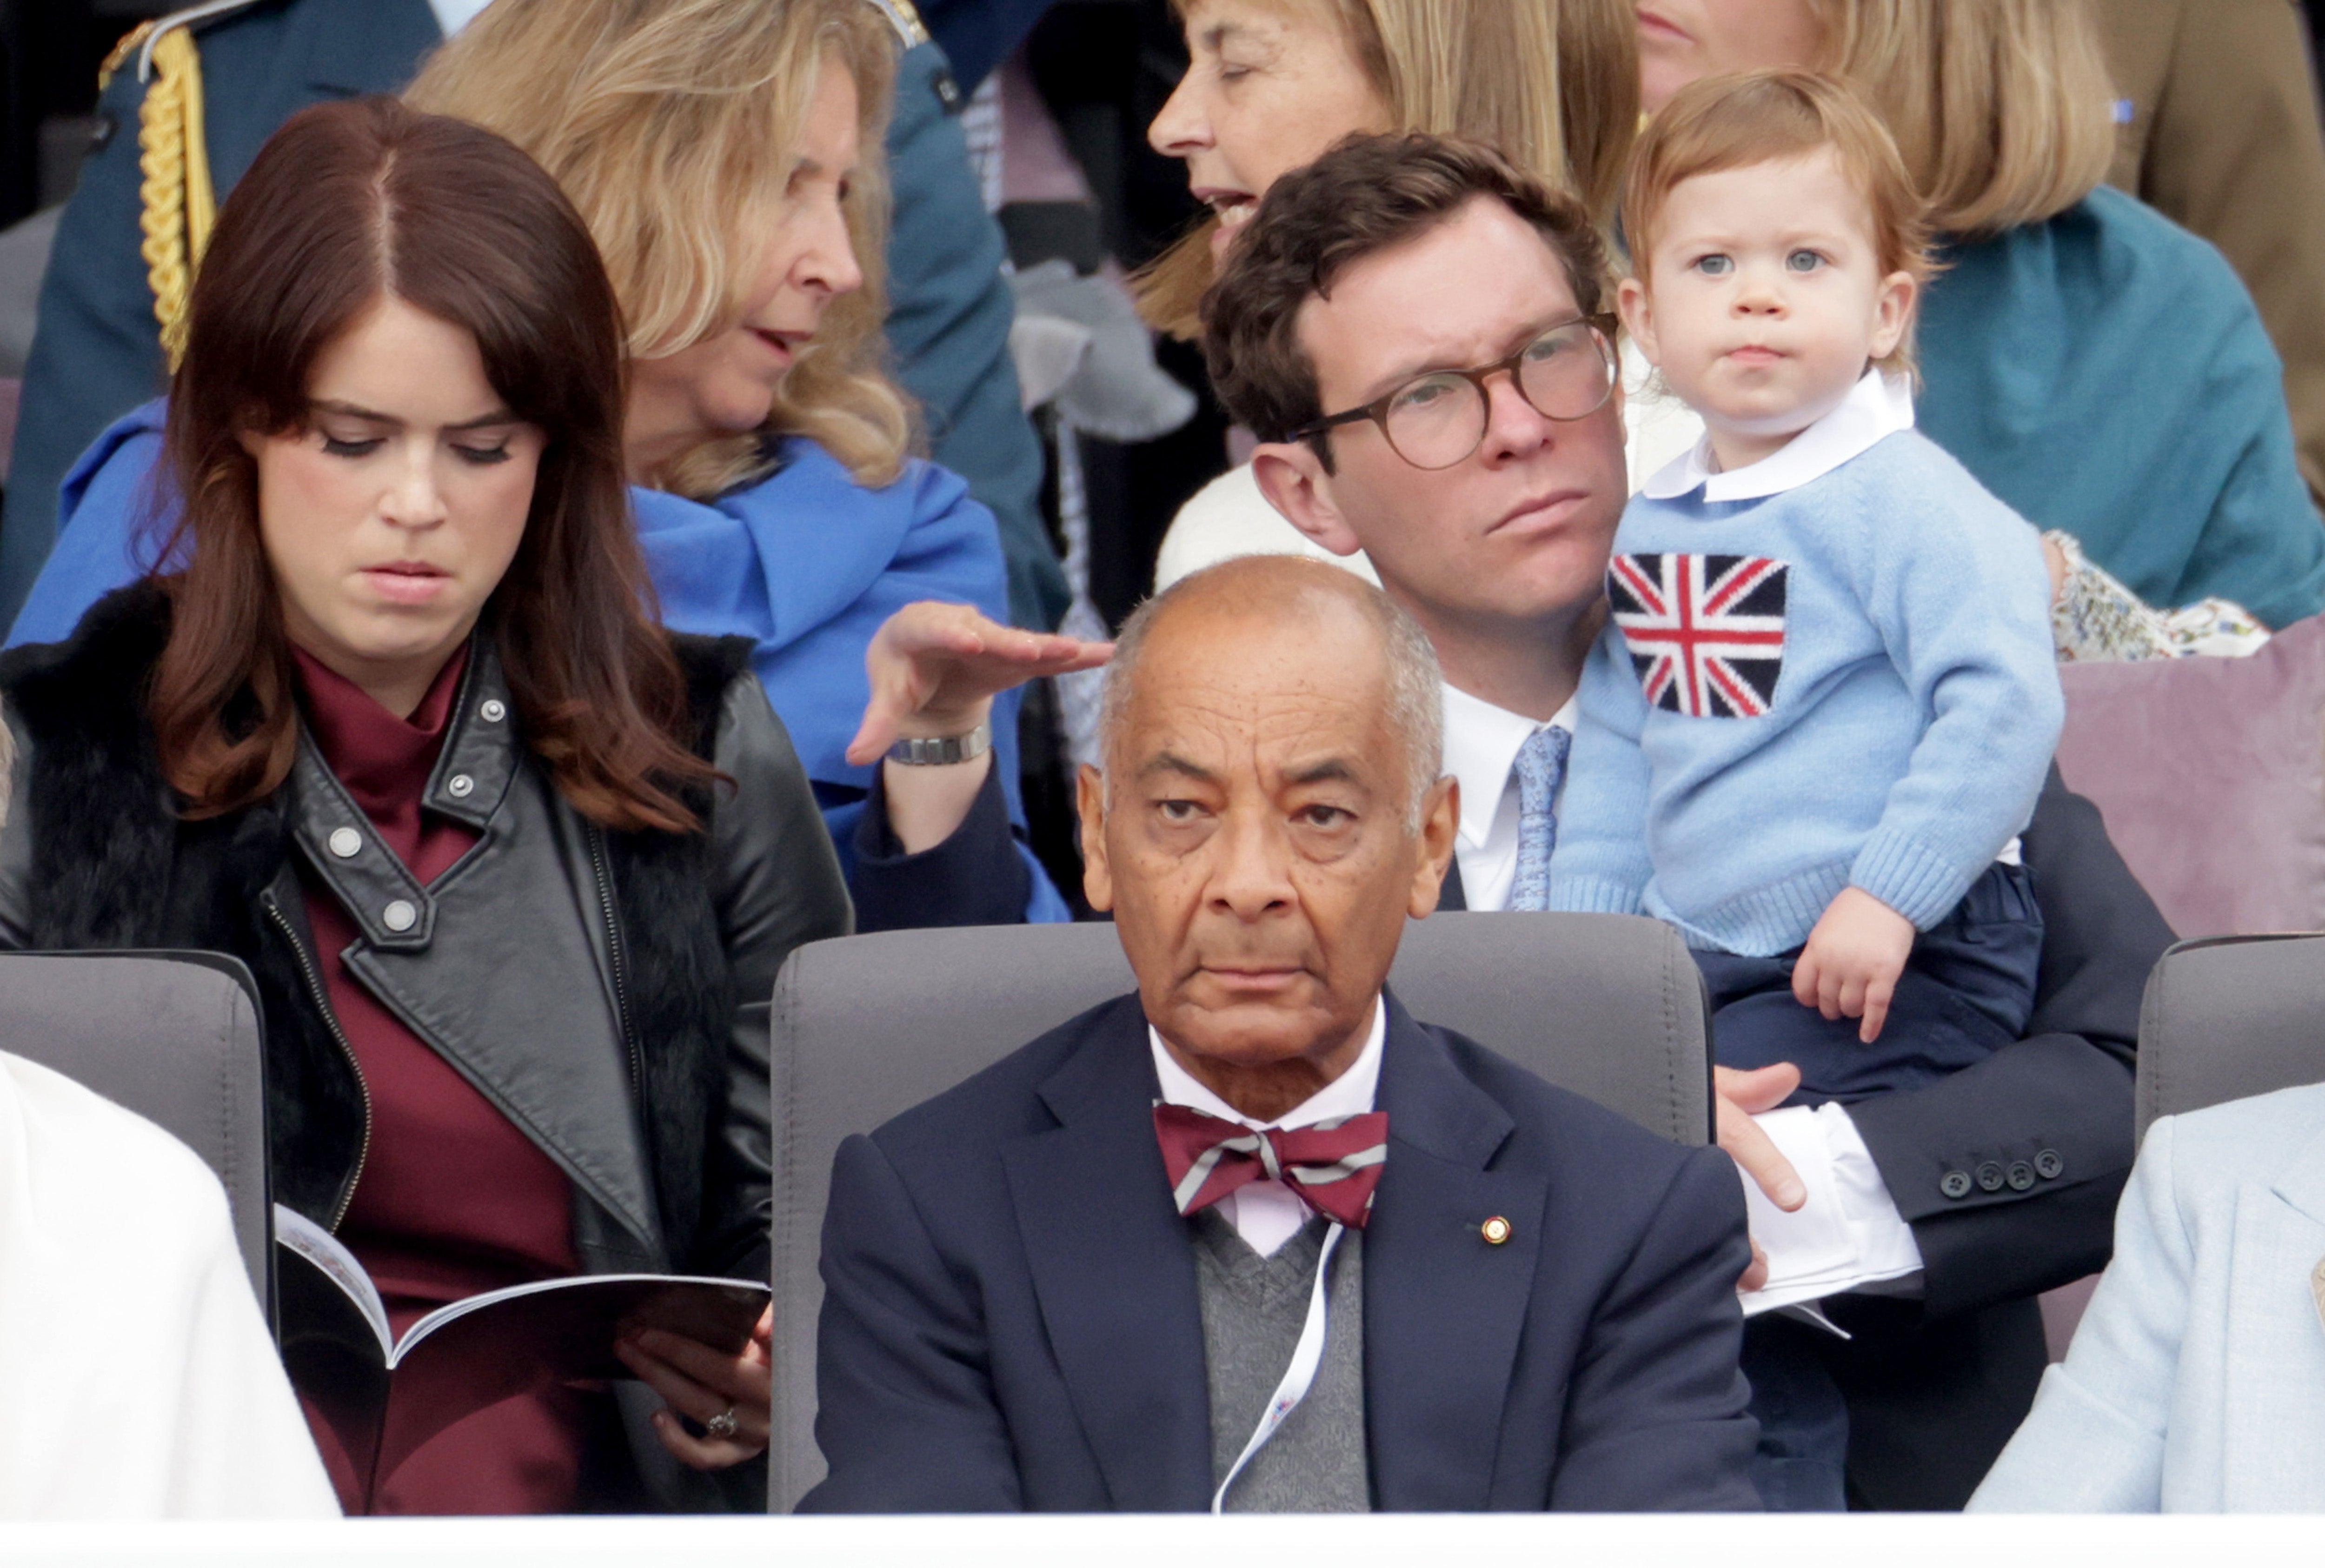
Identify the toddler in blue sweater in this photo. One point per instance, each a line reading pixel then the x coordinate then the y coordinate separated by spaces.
pixel 1826 698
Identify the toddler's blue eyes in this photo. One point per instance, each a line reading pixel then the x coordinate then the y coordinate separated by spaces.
pixel 1715 266
pixel 1804 261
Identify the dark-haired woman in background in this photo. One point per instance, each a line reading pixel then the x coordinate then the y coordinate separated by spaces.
pixel 514 868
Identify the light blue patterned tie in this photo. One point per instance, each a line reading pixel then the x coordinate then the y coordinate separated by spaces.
pixel 1542 763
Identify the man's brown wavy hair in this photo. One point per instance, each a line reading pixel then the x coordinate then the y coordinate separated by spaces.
pixel 348 203
pixel 1365 195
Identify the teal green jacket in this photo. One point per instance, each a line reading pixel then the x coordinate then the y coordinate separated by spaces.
pixel 2106 372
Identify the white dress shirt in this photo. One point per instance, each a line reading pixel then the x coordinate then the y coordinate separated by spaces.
pixel 1267 1215
pixel 452 15
pixel 1482 742
pixel 1848 1234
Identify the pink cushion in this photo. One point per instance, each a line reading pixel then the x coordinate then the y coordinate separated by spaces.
pixel 2210 773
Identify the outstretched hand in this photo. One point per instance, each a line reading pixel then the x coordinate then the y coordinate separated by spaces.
pixel 935 669
pixel 1850 965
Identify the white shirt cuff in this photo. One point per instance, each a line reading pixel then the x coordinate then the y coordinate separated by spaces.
pixel 1847 1236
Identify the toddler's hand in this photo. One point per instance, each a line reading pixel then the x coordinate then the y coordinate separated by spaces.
pixel 1850 965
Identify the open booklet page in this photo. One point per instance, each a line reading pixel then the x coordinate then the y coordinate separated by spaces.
pixel 384 1397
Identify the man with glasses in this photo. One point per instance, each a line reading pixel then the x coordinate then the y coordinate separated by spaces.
pixel 1413 328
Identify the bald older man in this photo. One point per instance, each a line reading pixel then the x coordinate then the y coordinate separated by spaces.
pixel 1253 1237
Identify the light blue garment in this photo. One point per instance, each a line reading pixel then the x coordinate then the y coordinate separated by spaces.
pixel 1541 767
pixel 2196 1383
pixel 807 563
pixel 1904 738
pixel 2104 372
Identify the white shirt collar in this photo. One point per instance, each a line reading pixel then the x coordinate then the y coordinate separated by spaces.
pixel 1350 1094
pixel 1481 747
pixel 1878 406
pixel 452 15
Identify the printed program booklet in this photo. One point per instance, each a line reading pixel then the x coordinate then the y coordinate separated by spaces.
pixel 384 1397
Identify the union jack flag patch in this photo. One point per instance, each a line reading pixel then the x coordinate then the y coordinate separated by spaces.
pixel 1706 632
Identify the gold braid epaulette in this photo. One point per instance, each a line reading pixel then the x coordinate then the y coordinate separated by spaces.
pixel 178 204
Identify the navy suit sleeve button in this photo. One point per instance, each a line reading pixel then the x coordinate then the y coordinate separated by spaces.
pixel 2022 1175
pixel 1955 1185
pixel 1991 1177
pixel 2048 1165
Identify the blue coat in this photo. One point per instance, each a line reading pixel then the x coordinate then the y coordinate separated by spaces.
pixel 1010 1321
pixel 2104 372
pixel 807 563
pixel 96 355
pixel 2196 1383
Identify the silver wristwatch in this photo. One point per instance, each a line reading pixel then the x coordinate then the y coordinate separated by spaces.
pixel 942 751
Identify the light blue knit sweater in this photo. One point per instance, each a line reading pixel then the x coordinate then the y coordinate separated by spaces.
pixel 1891 733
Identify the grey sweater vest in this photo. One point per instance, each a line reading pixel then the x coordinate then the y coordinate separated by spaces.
pixel 1253 1310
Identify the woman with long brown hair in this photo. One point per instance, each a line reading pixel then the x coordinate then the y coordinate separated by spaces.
pixel 513 868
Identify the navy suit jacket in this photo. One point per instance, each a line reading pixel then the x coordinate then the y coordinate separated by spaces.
pixel 1011 1319
pixel 1935 1388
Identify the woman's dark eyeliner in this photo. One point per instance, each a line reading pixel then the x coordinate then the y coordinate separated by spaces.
pixel 359 448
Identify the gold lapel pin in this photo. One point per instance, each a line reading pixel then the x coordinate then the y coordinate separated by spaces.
pixel 1495 1230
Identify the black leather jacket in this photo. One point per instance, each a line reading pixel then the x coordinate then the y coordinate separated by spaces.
pixel 609 992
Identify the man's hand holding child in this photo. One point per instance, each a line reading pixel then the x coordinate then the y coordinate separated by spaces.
pixel 1850 965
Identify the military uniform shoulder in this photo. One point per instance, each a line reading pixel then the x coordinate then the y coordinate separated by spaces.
pixel 136 47
pixel 906 18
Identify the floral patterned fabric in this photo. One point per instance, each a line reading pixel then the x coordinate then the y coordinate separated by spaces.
pixel 2096 619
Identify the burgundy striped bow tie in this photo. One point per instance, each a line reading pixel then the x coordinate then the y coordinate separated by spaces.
pixel 1332 1165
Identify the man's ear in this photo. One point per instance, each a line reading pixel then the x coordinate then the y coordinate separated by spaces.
pixel 1089 801
pixel 1637 308
pixel 1293 479
pixel 1893 313
pixel 1440 817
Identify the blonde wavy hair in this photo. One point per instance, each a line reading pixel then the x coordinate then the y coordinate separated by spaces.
pixel 670 124
pixel 2003 109
pixel 1553 84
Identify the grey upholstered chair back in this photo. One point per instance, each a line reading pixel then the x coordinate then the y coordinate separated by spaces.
pixel 171 1035
pixel 867 1027
pixel 2229 1017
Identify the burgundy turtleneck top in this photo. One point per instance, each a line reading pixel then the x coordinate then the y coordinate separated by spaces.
pixel 452 1199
